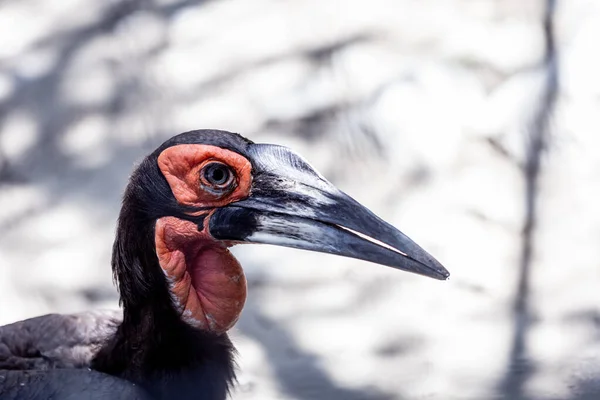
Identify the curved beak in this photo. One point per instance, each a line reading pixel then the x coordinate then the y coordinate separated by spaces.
pixel 292 205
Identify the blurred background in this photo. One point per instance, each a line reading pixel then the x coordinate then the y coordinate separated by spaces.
pixel 472 125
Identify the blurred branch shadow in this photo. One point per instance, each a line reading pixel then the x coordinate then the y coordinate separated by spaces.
pixel 521 367
pixel 298 373
pixel 40 99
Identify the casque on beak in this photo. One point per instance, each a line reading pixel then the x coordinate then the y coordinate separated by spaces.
pixel 292 205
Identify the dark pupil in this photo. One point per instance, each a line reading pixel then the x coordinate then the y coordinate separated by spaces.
pixel 217 174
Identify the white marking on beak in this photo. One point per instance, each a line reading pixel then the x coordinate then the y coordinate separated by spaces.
pixel 372 240
pixel 285 163
pixel 316 197
pixel 292 233
pixel 283 232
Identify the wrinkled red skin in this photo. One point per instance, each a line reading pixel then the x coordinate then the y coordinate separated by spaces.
pixel 207 283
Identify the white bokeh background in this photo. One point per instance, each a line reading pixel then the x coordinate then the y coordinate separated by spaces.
pixel 425 111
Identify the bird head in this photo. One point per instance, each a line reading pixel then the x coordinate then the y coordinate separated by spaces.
pixel 203 191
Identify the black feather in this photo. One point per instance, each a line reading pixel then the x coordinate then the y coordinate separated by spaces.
pixel 152 347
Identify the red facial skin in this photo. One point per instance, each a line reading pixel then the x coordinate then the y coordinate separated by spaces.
pixel 207 283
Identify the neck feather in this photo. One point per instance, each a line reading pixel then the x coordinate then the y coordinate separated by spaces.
pixel 153 346
pixel 167 357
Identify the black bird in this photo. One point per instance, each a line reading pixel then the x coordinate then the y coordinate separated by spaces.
pixel 180 288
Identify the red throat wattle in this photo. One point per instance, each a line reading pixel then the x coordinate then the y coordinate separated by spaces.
pixel 207 283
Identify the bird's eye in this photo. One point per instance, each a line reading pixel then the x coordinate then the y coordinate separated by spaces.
pixel 217 175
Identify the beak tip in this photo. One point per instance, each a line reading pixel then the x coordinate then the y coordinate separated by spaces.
pixel 440 275
pixel 439 272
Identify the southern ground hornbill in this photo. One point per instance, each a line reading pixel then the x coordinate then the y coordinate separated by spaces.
pixel 181 289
